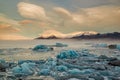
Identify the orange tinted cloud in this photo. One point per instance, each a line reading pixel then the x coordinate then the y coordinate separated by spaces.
pixel 32 11
pixel 13 37
pixel 26 22
pixel 8 29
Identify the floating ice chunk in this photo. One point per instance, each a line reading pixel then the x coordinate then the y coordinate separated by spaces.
pixel 68 54
pixel 106 73
pixel 87 71
pixel 74 72
pixel 102 57
pixel 61 45
pixel 73 79
pixel 26 69
pixel 61 68
pixel 100 45
pixel 51 63
pixel 2 61
pixel 31 64
pixel 17 69
pixel 42 48
pixel 118 47
pixel 44 72
pixel 78 72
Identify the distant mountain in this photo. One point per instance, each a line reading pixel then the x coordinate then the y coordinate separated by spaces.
pixel 50 37
pixel 114 35
pixel 52 34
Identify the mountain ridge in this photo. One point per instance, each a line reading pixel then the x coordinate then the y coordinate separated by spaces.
pixel 52 34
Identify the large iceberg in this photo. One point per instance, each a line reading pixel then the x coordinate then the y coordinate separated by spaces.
pixel 42 48
pixel 24 69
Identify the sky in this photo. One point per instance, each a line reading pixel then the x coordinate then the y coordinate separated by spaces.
pixel 27 19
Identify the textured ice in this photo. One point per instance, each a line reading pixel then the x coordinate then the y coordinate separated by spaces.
pixel 68 65
pixel 2 61
pixel 118 47
pixel 67 54
pixel 26 69
pixel 42 48
pixel 61 68
pixel 73 79
pixel 44 72
pixel 17 69
pixel 74 71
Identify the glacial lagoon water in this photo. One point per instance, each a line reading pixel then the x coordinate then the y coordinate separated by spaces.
pixel 21 49
pixel 80 60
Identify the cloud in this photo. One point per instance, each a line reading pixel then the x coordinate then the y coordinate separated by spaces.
pixel 62 12
pixel 32 11
pixel 101 19
pixel 13 37
pixel 7 20
pixel 103 15
pixel 8 29
pixel 7 25
pixel 84 19
pixel 23 22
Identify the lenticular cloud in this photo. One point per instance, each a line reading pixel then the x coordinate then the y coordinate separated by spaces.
pixel 32 11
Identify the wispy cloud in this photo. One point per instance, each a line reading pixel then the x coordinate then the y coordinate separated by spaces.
pixel 31 11
pixel 61 19
pixel 65 14
pixel 13 37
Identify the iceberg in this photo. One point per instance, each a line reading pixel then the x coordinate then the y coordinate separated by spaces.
pixel 17 69
pixel 100 45
pixel 118 47
pixel 26 69
pixel 42 48
pixel 44 72
pixel 2 61
pixel 61 45
pixel 68 54
pixel 74 72
pixel 61 68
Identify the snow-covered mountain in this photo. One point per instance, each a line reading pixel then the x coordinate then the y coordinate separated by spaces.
pixel 53 34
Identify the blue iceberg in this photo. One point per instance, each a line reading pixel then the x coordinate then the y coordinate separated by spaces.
pixel 61 45
pixel 44 72
pixel 42 48
pixel 61 68
pixel 100 45
pixel 17 69
pixel 68 54
pixel 26 69
pixel 2 61
pixel 118 47
pixel 74 72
